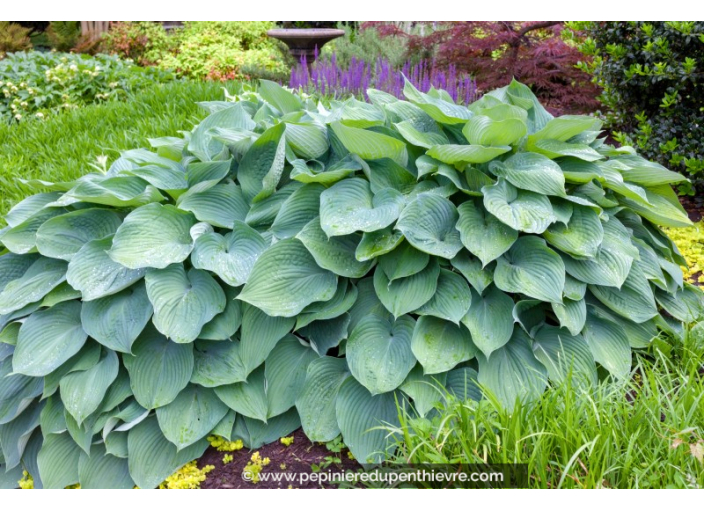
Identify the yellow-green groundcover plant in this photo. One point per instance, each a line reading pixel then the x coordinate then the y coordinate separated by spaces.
pixel 288 263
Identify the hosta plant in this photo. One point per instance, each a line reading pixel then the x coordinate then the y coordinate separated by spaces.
pixel 288 263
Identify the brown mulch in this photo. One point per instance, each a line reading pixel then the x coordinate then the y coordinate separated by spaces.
pixel 694 207
pixel 298 458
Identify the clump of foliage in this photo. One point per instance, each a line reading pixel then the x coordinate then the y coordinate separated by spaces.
pixel 652 85
pixel 219 50
pixel 494 52
pixel 13 37
pixel 34 85
pixel 690 242
pixel 63 35
pixel 287 263
pixel 366 44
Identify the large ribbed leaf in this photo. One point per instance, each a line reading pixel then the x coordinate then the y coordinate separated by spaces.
pixel 298 209
pixel 317 399
pixel 260 334
pixel 369 144
pixel 345 296
pixel 39 278
pixel 311 172
pixel 360 416
pixel 120 191
pixel 29 207
pixel 686 305
pixel 440 345
pixel 23 238
pixel 402 262
pixel 564 355
pixel 231 256
pixel 308 140
pixel 152 457
pixel 471 268
pixel 571 314
pixel 349 206
pixel 482 233
pixel 521 210
pixel 380 242
pixel 83 391
pixel 58 461
pixel 532 172
pixel 62 236
pixel 221 206
pixel 96 275
pixel 367 303
pixel 407 294
pixel 490 320
pixel 285 279
pixel 101 470
pixel 16 391
pixel 191 415
pixel 428 224
pixel 202 142
pixel 500 125
pixel 159 369
pixel 581 237
pixel 153 236
pixel 285 372
pixel 531 268
pixel 439 109
pixel 247 398
pixel 15 435
pixel 512 373
pixel 608 344
pixel 565 127
pixel 420 138
pixel 116 321
pixel 225 324
pixel 425 390
pixel 664 208
pixel 183 301
pixel 48 338
pixel 379 352
pixel 336 254
pixel 452 154
pixel 217 363
pixel 261 167
pixel 634 300
pixel 452 298
pixel 281 98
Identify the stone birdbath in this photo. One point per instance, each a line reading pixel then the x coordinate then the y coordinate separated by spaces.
pixel 304 41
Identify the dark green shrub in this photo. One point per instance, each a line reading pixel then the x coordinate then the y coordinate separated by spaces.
pixel 651 76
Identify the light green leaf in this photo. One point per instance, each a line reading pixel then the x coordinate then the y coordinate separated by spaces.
pixel 425 139
pixel 581 237
pixel 532 172
pixel 686 305
pixel 452 154
pixel 571 314
pixel 281 98
pixel 425 390
pixel 521 210
pixel 482 233
pixel 377 243
pixel 439 109
pixel 440 345
pixel 634 300
pixel 428 224
pixel 452 298
pixel 23 238
pixel 369 144
pixel 121 191
pixel 379 352
pixel 221 206
pixel 565 127
pixel 499 130
pixel 285 279
pixel 308 172
pixel 308 140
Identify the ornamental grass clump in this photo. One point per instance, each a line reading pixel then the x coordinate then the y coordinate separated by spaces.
pixel 288 263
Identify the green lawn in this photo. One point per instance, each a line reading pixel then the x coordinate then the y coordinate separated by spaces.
pixel 64 146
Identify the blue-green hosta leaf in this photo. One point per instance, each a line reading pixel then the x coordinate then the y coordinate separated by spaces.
pixel 326 334
pixel 15 435
pixel 556 149
pixel 648 173
pixel 221 206
pixel 452 154
pixel 159 369
pixel 231 256
pixel 462 384
pixel 121 191
pixel 360 416
pixel 402 262
pixel 386 173
pixel 255 433
pixel 308 140
pixel 247 398
pixel 532 172
pixel 62 236
pixel 285 279
pixel 308 173
pixel 278 96
pixel 500 130
pixel 13 266
pixel 261 167
pixel 377 243
pixel 317 399
pixel 565 127
pixel 345 296
pixel 407 294
pixel 425 139
pixel 574 289
pixel 225 324
pixel 482 233
pixel 519 209
pixel 29 207
pixel 367 303
pixel 571 314
pixel 116 321
pixel 512 373
pixel 369 144
pixel 581 237
pixel 217 363
pixel 336 254
pixel 87 357
pixel 440 345
pixel 153 236
pixel 37 280
pixel 349 206
pixel 665 209
pixel 63 292
pixel 530 315
pixel 452 298
pixel 608 344
pixel 83 391
pixel 634 300
pixel 379 352
pixel 17 391
pixel 152 458
pixel 565 355
pixel 202 142
pixel 48 338
pixel 58 461
pixel 471 268
pixel 686 305
pixel 260 334
pixel 101 470
pixel 23 238
pixel 191 416
pixel 428 224
pixel 425 390
pixel 440 110
pixel 298 209
pixel 490 320
pixel 578 171
pixel 531 268
pixel 285 372
pixel 183 301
